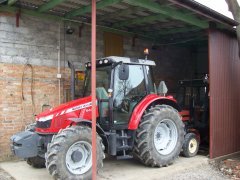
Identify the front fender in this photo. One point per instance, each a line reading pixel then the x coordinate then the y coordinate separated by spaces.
pixel 81 121
pixel 100 131
pixel 149 100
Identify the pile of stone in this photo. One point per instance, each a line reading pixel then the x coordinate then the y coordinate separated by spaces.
pixel 231 167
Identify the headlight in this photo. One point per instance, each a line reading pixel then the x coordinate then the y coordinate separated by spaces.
pixel 46 118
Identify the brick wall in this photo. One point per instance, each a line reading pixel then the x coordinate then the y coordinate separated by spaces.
pixel 16 112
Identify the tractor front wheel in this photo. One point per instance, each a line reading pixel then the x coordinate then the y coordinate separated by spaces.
pixel 37 162
pixel 190 145
pixel 159 137
pixel 69 155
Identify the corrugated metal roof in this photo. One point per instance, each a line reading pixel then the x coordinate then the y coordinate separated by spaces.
pixel 140 18
pixel 206 11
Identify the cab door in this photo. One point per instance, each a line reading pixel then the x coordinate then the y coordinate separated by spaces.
pixel 128 90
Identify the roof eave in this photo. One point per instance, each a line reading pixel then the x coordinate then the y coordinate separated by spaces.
pixel 204 10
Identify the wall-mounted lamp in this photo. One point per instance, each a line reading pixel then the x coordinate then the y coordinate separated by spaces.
pixel 69 30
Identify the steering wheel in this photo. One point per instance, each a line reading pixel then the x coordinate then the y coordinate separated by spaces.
pixel 125 105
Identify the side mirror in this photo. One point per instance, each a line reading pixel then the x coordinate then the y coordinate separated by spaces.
pixel 162 88
pixel 123 73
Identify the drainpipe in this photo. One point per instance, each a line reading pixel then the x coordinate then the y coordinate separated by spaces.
pixel 71 66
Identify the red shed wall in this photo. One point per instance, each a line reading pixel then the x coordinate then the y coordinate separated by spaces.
pixel 224 67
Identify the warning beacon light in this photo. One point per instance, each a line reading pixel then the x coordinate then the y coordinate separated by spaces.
pixel 146 53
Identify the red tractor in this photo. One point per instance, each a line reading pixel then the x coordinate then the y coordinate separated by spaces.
pixel 132 121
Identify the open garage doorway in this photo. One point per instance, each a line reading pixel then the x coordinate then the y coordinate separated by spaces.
pixel 183 65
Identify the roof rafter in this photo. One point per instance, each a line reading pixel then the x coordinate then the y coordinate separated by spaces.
pixel 55 18
pixel 49 5
pixel 101 4
pixel 177 30
pixel 122 12
pixel 170 12
pixel 141 20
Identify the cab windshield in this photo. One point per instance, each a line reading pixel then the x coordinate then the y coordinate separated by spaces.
pixel 103 76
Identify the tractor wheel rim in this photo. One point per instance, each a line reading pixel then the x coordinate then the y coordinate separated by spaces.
pixel 192 145
pixel 165 136
pixel 79 157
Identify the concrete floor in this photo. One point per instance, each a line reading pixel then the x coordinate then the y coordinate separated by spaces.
pixel 113 169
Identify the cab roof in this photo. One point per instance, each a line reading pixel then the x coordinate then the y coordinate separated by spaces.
pixel 125 60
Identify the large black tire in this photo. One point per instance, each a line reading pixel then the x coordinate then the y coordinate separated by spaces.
pixel 144 145
pixel 190 145
pixel 57 152
pixel 36 162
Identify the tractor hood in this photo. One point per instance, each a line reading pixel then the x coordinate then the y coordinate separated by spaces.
pixel 52 120
pixel 65 108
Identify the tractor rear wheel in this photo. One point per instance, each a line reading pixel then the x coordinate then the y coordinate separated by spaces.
pixel 69 155
pixel 37 162
pixel 159 137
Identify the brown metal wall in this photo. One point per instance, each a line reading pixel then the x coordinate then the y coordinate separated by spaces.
pixel 224 68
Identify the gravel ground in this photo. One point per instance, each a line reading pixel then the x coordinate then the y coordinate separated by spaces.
pixel 231 167
pixel 206 172
pixel 5 176
pixel 201 172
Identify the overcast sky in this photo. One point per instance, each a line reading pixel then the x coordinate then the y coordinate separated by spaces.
pixel 217 5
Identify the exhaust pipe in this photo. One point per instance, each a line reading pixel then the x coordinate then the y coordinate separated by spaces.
pixel 71 66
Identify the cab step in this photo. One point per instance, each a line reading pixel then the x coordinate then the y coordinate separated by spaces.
pixel 124 157
pixel 123 137
pixel 124 147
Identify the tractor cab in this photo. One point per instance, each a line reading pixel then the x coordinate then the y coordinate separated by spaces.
pixel 121 83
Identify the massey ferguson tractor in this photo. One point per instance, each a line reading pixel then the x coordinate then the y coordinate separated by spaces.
pixel 132 121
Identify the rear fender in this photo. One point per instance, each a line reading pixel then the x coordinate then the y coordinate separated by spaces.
pixel 146 103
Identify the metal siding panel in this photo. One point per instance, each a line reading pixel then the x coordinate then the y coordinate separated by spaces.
pixel 224 68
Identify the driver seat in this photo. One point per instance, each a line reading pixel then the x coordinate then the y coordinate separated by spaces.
pixel 102 94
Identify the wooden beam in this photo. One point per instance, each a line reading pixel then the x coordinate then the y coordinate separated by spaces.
pixel 11 2
pixel 166 32
pixel 49 5
pixel 30 13
pixel 86 9
pixel 177 30
pixel 170 12
pixel 141 20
